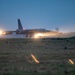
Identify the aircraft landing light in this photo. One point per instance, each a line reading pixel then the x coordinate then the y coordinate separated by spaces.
pixel 38 35
pixel 1 32
pixel 4 33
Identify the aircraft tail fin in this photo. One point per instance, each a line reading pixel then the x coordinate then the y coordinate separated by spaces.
pixel 19 25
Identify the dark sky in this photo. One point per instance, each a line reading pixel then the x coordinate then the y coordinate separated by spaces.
pixel 47 14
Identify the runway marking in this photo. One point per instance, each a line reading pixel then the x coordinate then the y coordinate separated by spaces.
pixel 71 61
pixel 35 59
pixel 28 60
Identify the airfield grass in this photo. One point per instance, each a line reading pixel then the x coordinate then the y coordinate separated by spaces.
pixel 53 55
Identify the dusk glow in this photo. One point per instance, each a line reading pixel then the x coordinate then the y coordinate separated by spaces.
pixel 34 14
